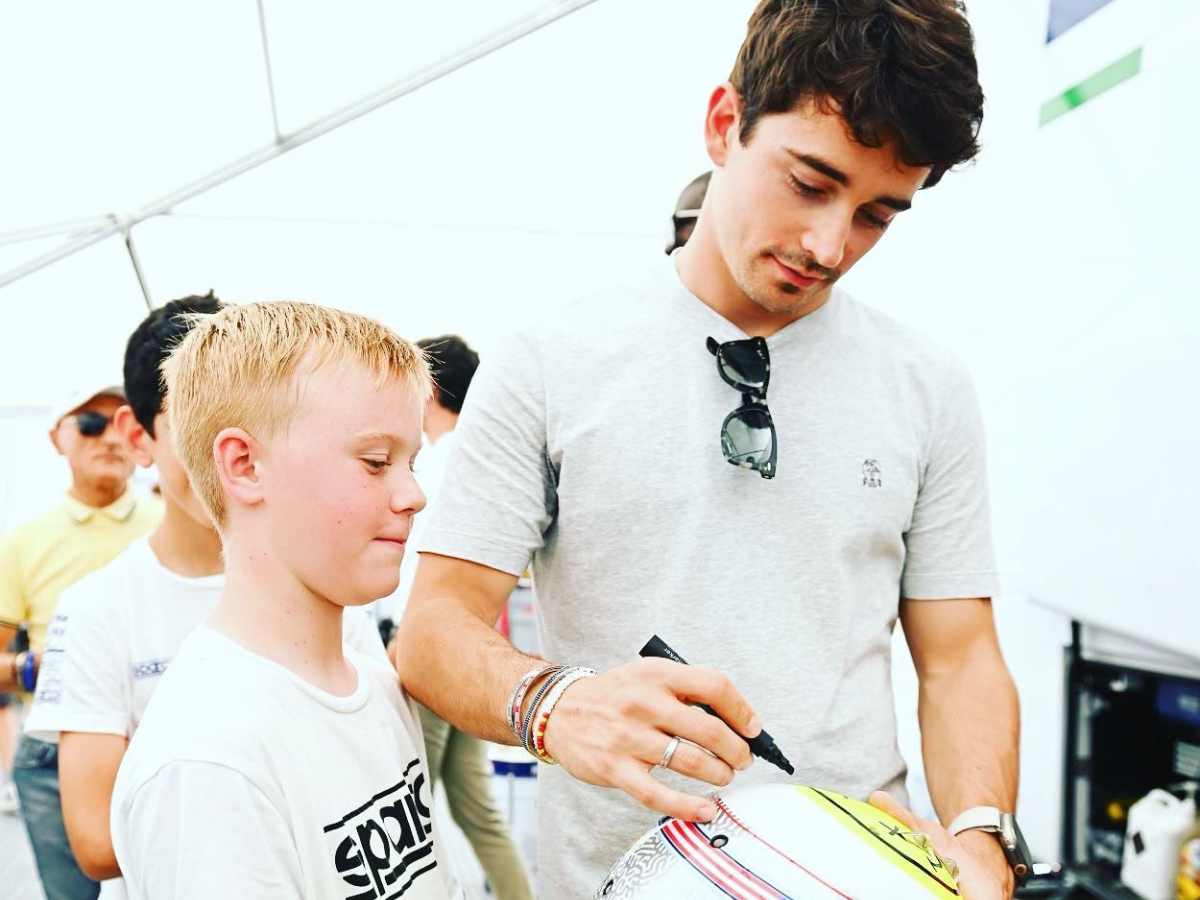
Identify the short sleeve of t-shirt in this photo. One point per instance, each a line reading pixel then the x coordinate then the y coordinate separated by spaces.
pixel 949 550
pixel 199 830
pixel 497 500
pixel 83 681
pixel 12 596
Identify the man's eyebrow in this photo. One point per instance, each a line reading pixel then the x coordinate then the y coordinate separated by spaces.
pixel 829 170
pixel 824 167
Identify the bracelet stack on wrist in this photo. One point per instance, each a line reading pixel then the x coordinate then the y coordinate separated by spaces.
pixel 517 698
pixel 530 729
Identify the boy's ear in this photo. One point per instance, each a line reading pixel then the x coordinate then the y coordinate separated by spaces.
pixel 136 438
pixel 235 453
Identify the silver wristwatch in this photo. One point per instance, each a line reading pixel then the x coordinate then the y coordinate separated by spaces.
pixel 1004 826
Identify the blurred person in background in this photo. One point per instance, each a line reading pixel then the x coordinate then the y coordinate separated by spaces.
pixel 108 644
pixel 687 211
pixel 456 759
pixel 117 629
pixel 99 517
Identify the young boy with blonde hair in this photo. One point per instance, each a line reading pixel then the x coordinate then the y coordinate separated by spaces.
pixel 116 631
pixel 271 762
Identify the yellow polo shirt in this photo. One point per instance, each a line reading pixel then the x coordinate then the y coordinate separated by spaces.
pixel 39 559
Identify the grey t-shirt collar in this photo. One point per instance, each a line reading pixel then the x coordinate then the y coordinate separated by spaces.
pixel 810 327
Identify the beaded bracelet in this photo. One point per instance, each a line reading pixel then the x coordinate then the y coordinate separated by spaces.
pixel 547 707
pixel 524 734
pixel 517 698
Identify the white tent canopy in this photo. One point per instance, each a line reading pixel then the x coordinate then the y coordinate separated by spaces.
pixel 461 206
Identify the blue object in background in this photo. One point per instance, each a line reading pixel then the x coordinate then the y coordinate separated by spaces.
pixel 1066 14
pixel 1179 700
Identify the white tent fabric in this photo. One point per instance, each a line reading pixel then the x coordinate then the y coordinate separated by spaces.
pixel 460 205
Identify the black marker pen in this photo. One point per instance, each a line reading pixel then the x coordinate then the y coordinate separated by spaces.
pixel 762 746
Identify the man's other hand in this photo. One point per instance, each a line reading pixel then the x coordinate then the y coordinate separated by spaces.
pixel 983 871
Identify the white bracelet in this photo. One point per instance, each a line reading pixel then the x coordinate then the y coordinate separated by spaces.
pixel 542 713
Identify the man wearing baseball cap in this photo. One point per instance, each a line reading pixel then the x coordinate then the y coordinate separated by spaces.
pixel 97 519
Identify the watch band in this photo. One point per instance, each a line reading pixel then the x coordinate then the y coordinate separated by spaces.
pixel 1008 833
pixel 986 818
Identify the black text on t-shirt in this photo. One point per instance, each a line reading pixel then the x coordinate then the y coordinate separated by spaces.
pixel 383 846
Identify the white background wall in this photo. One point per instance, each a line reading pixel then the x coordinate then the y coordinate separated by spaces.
pixel 1060 265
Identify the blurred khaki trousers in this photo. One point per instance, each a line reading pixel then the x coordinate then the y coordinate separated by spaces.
pixel 459 761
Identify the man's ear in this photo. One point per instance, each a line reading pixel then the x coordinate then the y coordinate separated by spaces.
pixel 136 438
pixel 236 454
pixel 54 439
pixel 722 122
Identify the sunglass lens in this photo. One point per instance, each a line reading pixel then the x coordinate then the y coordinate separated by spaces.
pixel 91 424
pixel 744 363
pixel 748 440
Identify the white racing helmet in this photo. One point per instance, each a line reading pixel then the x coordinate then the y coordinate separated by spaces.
pixel 777 841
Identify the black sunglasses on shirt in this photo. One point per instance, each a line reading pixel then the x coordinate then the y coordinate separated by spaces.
pixel 748 436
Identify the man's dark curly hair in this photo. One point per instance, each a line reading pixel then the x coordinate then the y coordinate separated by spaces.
pixel 452 363
pixel 901 70
pixel 150 344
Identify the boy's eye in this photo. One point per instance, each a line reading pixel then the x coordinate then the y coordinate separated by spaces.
pixel 376 465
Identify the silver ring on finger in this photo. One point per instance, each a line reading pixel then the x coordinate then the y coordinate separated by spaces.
pixel 668 754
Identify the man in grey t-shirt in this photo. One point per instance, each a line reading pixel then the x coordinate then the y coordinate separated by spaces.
pixel 598 446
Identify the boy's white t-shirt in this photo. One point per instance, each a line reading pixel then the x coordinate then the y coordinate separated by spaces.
pixel 112 637
pixel 244 780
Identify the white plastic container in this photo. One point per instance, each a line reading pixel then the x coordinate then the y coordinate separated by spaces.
pixel 1156 827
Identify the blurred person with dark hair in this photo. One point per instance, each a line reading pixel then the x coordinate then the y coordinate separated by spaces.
pixel 99 517
pixel 117 629
pixel 687 211
pixel 453 364
pixel 456 759
pixel 628 446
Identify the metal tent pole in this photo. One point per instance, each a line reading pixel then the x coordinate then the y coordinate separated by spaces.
pixel 501 37
pixel 137 270
pixel 53 229
pixel 262 28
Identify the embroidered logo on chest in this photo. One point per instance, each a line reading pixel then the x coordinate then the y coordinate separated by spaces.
pixel 872 475
pixel 149 669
